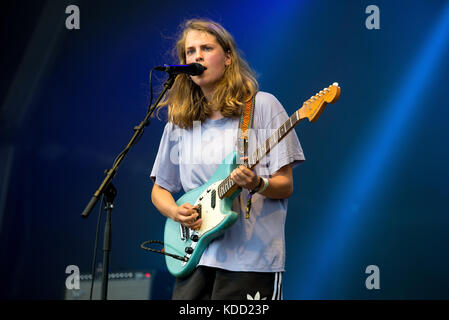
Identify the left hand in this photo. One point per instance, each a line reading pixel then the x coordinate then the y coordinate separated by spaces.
pixel 245 177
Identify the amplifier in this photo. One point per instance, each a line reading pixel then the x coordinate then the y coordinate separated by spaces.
pixel 127 285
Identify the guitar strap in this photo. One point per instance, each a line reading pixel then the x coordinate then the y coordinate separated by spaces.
pixel 245 124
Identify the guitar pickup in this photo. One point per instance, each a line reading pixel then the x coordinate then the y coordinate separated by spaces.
pixel 213 198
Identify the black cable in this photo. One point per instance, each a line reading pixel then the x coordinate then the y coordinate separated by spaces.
pixel 185 259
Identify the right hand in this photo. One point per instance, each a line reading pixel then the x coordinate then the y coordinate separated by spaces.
pixel 187 215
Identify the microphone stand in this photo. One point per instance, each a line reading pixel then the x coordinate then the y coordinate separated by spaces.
pixel 108 189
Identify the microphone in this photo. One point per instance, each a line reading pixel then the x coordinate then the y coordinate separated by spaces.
pixel 193 69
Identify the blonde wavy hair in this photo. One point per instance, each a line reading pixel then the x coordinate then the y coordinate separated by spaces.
pixel 185 100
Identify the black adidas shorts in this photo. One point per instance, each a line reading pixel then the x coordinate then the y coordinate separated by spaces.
pixel 207 283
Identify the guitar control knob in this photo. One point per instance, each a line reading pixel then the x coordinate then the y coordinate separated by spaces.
pixel 189 250
pixel 194 237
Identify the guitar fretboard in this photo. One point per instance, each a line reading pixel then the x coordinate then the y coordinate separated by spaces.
pixel 253 159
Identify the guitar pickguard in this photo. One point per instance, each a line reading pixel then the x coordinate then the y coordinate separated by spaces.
pixel 210 204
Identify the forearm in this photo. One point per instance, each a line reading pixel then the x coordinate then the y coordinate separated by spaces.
pixel 279 187
pixel 185 214
pixel 163 201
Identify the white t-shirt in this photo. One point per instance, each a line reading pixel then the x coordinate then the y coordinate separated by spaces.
pixel 187 159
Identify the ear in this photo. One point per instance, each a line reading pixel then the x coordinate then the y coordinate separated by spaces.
pixel 228 58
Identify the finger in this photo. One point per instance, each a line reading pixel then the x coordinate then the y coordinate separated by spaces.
pixel 237 179
pixel 189 223
pixel 193 224
pixel 243 178
pixel 191 208
pixel 238 172
pixel 245 172
pixel 183 209
pixel 190 218
pixel 184 212
pixel 197 224
pixel 187 205
pixel 187 209
pixel 243 159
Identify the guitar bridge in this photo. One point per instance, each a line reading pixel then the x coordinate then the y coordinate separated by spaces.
pixel 185 232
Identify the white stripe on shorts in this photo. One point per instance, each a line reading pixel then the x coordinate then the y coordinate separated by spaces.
pixel 277 290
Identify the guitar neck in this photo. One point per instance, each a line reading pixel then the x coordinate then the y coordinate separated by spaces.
pixel 311 109
pixel 228 186
pixel 273 140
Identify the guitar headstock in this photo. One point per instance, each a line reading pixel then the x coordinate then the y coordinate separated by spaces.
pixel 313 107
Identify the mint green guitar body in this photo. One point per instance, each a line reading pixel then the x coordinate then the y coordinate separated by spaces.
pixel 217 216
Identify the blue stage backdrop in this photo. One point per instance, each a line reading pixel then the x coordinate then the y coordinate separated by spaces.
pixel 370 202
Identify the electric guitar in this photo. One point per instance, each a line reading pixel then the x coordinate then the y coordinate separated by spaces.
pixel 183 247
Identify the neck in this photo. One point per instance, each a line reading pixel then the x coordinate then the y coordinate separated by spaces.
pixel 208 93
pixel 214 114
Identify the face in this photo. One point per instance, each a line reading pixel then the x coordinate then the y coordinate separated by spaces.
pixel 202 47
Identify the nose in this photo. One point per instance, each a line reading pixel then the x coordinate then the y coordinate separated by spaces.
pixel 199 56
